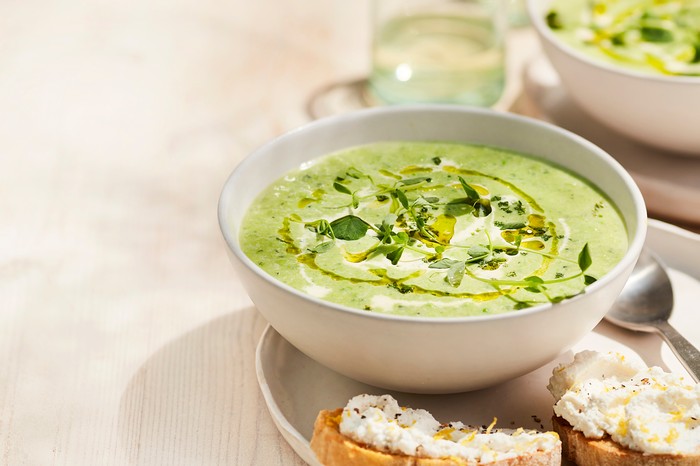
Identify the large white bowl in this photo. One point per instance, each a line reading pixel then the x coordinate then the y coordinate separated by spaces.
pixel 658 110
pixel 429 355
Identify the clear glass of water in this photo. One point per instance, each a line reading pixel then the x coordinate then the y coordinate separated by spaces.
pixel 438 51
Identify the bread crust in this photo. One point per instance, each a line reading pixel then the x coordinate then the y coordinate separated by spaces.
pixel 605 452
pixel 334 449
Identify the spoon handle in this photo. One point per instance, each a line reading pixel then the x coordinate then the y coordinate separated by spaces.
pixel 688 354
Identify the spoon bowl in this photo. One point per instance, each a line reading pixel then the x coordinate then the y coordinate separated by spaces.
pixel 646 304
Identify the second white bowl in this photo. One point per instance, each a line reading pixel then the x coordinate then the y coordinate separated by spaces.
pixel 658 110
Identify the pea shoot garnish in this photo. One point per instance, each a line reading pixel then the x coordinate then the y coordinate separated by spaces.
pixel 420 217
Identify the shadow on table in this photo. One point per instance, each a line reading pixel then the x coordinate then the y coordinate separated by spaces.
pixel 190 402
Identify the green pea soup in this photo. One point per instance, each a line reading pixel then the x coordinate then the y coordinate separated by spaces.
pixel 649 36
pixel 434 229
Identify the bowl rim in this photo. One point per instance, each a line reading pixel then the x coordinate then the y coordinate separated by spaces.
pixel 537 20
pixel 628 259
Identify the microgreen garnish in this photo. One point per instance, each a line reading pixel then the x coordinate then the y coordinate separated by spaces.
pixel 478 252
pixel 455 274
pixel 401 196
pixel 443 264
pixel 395 254
pixel 321 227
pixel 321 247
pixel 588 280
pixel 584 258
pixel 509 225
pixel 386 229
pixel 482 206
pixel 401 287
pixel 553 20
pixel 472 194
pixel 533 283
pixel 416 180
pixel 349 227
pixel 419 224
pixel 353 172
pixel 696 54
pixel 656 34
pixel 341 188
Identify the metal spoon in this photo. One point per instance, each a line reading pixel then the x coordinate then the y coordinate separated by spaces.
pixel 645 305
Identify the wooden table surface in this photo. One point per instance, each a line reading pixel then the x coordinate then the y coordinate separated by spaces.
pixel 125 336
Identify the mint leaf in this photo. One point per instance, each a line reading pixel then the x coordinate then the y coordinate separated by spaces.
pixel 443 264
pixel 584 258
pixel 656 34
pixel 472 193
pixel 536 284
pixel 401 196
pixel 395 255
pixel 478 251
pixel 401 237
pixel 587 279
pixel 354 173
pixel 322 247
pixel 455 274
pixel 386 229
pixel 518 241
pixel 349 227
pixel 553 20
pixel 416 180
pixel 341 188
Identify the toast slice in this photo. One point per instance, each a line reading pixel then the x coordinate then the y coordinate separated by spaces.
pixel 332 448
pixel 613 411
pixel 605 452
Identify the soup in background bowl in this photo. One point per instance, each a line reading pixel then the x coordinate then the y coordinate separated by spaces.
pixel 425 189
pixel 659 38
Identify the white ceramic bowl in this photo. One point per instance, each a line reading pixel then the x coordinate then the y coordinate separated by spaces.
pixel 658 110
pixel 429 355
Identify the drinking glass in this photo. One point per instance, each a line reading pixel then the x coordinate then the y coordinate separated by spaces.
pixel 439 51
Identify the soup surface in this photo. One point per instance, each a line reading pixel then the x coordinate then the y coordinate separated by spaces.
pixel 654 36
pixel 433 229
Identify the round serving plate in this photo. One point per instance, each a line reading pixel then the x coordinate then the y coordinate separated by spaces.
pixel 296 388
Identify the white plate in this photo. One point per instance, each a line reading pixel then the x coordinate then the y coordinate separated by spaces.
pixel 670 183
pixel 296 388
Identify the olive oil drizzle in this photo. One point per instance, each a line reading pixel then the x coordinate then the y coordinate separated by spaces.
pixel 553 251
pixel 417 224
pixel 383 280
pixel 285 235
pixel 526 197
